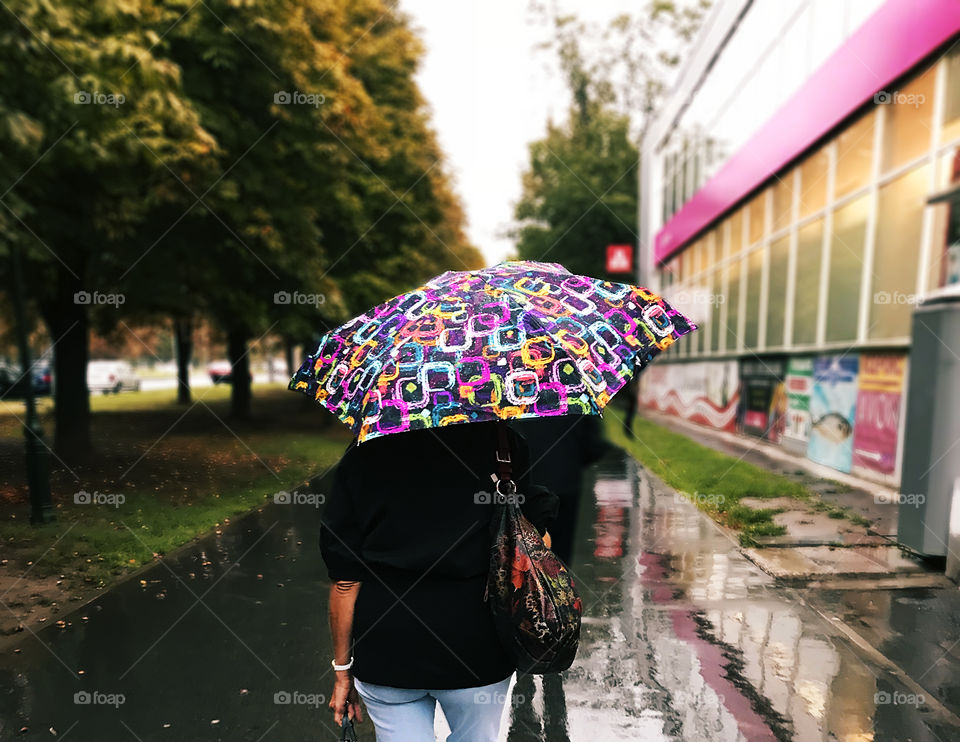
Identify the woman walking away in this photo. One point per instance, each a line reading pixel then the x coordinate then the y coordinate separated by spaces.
pixel 406 540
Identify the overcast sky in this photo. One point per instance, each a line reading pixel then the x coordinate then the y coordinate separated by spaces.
pixel 492 93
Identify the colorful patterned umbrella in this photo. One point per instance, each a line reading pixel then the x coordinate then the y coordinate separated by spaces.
pixel 520 339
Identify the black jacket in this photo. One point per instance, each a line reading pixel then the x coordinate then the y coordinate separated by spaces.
pixel 408 515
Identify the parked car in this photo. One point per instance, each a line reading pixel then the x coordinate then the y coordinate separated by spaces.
pixel 221 372
pixel 42 378
pixel 111 376
pixel 13 382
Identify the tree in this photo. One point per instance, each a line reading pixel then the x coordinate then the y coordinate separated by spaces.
pixel 407 224
pixel 579 192
pixel 88 99
pixel 580 189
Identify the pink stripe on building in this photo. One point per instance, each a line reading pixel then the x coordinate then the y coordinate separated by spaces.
pixel 894 40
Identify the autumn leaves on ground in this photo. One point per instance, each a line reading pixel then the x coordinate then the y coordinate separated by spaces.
pixel 161 475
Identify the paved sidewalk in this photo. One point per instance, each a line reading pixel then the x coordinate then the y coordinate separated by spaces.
pixel 684 639
pixel 860 543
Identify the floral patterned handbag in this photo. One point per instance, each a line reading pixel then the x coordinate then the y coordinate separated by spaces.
pixel 534 603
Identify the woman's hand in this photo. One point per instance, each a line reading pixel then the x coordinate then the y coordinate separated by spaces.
pixel 345 697
pixel 343 597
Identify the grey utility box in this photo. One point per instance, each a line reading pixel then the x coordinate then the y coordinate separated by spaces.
pixel 931 443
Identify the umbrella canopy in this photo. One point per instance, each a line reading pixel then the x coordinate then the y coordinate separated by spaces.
pixel 520 339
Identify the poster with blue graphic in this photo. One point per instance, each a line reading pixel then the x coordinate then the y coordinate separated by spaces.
pixel 833 409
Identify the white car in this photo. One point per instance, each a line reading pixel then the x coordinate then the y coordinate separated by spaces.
pixel 111 376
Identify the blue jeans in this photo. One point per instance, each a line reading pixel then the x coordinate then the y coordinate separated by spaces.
pixel 404 715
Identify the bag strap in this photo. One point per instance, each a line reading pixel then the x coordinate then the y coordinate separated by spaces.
pixel 348 734
pixel 505 484
pixel 504 464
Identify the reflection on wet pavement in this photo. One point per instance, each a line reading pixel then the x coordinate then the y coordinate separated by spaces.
pixel 683 639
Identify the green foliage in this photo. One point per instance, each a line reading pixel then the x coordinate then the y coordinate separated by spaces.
pixel 580 189
pixel 579 193
pixel 87 107
pixel 721 480
pixel 234 150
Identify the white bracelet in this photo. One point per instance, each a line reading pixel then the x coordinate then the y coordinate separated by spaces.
pixel 341 667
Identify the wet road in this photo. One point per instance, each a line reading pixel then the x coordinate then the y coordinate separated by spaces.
pixel 684 639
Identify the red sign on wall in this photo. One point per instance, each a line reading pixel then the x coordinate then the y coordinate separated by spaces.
pixel 619 258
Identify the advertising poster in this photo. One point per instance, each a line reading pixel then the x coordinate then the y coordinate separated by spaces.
pixel 833 408
pixel 799 385
pixel 878 411
pixel 702 392
pixel 764 402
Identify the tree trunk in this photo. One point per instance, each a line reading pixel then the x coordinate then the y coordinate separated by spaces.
pixel 69 327
pixel 240 393
pixel 183 331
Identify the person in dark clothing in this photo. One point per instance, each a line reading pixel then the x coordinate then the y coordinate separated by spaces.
pixel 405 536
pixel 560 449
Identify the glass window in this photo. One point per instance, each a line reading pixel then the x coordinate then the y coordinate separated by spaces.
pixel 847 241
pixel 899 219
pixel 854 155
pixel 807 291
pixel 754 278
pixel 709 251
pixel 733 304
pixel 909 118
pixel 758 209
pixel 693 341
pixel 777 291
pixel 685 170
pixel 672 183
pixel 813 182
pixel 669 274
pixel 715 305
pixel 951 103
pixel 946 220
pixel 783 201
pixel 677 182
pixel 736 235
pixel 692 170
pixel 697 254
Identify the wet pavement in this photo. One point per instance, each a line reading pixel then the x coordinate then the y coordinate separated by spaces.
pixel 683 639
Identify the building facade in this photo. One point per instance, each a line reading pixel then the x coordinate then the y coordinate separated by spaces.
pixel 799 196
